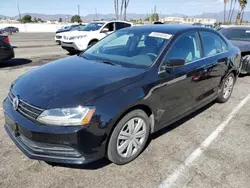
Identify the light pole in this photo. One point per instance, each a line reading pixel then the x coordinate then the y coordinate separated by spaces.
pixel 78 6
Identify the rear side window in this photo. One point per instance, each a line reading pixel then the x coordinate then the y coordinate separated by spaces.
pixel 120 25
pixel 212 43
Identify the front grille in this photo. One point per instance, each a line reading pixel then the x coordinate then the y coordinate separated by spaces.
pixel 48 149
pixel 58 37
pixel 24 108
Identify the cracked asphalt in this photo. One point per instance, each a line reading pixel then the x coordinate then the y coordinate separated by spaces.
pixel 224 164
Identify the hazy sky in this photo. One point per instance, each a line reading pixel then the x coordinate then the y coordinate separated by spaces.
pixel 189 7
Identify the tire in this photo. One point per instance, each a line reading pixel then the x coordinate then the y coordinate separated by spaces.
pixel 124 157
pixel 225 88
pixel 245 64
pixel 72 52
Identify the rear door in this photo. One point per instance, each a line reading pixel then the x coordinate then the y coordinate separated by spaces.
pixel 182 89
pixel 216 53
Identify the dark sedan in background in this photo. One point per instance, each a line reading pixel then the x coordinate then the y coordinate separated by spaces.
pixel 10 30
pixel 6 50
pixel 106 101
pixel 240 37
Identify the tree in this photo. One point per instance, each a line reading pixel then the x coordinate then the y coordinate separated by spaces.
pixel 243 4
pixel 155 17
pixel 35 20
pixel 232 13
pixel 116 5
pixel 122 14
pixel 40 20
pixel 76 18
pixel 230 10
pixel 147 19
pixel 60 20
pixel 225 9
pixel 27 19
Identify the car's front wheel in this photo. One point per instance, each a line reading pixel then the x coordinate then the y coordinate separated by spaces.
pixel 226 88
pixel 129 137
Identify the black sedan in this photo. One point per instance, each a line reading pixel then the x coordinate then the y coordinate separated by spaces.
pixel 6 50
pixel 240 37
pixel 10 30
pixel 106 101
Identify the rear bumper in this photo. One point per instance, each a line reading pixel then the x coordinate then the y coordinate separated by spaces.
pixel 6 52
pixel 71 145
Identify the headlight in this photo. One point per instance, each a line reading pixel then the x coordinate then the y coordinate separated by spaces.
pixel 67 116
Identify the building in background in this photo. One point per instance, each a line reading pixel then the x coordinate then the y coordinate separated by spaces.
pixel 188 20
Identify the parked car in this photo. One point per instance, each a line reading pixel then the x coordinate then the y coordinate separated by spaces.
pixel 240 37
pixel 108 100
pixel 76 41
pixel 60 33
pixel 6 50
pixel 66 28
pixel 10 30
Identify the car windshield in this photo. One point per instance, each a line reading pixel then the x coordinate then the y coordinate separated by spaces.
pixel 93 26
pixel 129 48
pixel 236 34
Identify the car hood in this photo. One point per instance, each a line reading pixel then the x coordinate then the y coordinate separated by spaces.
pixel 72 81
pixel 244 46
pixel 76 33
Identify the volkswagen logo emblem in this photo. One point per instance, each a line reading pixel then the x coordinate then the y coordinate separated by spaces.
pixel 15 103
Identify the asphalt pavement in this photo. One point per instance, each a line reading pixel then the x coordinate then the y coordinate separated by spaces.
pixel 209 148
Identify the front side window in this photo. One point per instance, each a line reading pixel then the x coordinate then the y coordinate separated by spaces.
pixel 130 48
pixel 93 26
pixel 212 43
pixel 109 27
pixel 186 47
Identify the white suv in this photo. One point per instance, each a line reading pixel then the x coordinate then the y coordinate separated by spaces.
pixel 75 41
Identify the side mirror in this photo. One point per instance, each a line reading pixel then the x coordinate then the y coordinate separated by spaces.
pixel 172 63
pixel 105 30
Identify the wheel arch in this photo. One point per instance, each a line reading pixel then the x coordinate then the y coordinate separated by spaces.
pixel 93 40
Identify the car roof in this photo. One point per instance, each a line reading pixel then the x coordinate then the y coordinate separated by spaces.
pixel 167 28
pixel 111 21
pixel 235 27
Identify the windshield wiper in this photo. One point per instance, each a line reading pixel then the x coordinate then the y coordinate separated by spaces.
pixel 106 62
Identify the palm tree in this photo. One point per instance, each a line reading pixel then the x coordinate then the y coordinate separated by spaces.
pixel 243 4
pixel 122 6
pixel 126 2
pixel 225 8
pixel 230 11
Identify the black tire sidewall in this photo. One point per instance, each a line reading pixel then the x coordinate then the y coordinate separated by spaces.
pixel 112 152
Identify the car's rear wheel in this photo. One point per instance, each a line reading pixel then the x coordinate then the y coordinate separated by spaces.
pixel 226 88
pixel 129 137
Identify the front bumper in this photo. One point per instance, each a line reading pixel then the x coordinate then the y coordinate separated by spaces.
pixel 71 145
pixel 79 45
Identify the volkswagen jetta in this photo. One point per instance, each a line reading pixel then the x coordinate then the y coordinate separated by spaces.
pixel 106 101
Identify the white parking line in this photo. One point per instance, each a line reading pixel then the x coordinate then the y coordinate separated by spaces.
pixel 170 181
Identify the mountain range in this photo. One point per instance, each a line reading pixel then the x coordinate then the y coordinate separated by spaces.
pixel 66 17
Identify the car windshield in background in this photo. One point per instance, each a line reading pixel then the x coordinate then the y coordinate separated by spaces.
pixel 93 26
pixel 129 48
pixel 236 34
